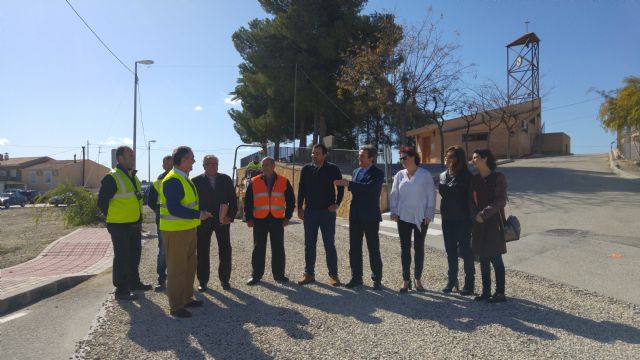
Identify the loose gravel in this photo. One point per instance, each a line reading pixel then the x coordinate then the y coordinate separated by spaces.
pixel 540 320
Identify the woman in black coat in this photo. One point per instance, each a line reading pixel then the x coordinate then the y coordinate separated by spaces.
pixel 489 196
pixel 455 191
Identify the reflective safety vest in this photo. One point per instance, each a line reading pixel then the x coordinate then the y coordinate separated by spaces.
pixel 157 185
pixel 126 205
pixel 169 222
pixel 265 202
pixel 254 166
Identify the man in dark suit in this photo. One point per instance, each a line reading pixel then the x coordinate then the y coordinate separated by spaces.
pixel 364 216
pixel 214 189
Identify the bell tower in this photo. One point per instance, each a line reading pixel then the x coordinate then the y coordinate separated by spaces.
pixel 523 69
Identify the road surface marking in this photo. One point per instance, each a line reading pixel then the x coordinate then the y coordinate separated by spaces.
pixel 13 316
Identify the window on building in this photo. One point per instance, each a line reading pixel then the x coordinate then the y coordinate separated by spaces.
pixel 13 173
pixel 48 176
pixel 33 178
pixel 474 137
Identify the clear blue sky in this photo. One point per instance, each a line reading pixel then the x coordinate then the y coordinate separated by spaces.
pixel 59 88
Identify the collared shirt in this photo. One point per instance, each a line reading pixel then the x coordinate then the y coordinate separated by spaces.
pixel 361 173
pixel 413 199
pixel 316 189
pixel 212 181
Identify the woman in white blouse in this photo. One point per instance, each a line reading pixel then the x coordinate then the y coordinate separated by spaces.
pixel 412 201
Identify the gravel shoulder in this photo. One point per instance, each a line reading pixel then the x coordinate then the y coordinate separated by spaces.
pixel 542 319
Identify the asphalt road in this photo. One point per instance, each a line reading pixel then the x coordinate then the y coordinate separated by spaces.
pixel 580 223
pixel 51 328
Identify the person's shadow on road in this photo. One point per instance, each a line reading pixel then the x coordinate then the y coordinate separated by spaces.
pixel 457 312
pixel 217 329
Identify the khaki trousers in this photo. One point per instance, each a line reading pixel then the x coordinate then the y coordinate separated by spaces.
pixel 180 252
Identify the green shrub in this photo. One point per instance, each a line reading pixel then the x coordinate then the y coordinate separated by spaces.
pixel 81 205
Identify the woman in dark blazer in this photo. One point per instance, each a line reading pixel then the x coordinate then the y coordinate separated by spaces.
pixel 455 192
pixel 489 197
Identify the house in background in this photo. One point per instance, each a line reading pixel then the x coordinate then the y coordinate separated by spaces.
pixel 47 175
pixel 473 132
pixel 44 173
pixel 11 170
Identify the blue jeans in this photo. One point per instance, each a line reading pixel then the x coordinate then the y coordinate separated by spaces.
pixel 326 221
pixel 161 266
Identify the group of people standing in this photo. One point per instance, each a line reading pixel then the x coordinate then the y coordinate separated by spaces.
pixel 189 210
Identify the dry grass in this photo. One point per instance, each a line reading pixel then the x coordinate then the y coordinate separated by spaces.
pixel 25 232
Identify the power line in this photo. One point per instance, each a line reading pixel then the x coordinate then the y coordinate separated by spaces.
pixel 140 112
pixel 98 37
pixel 325 95
pixel 573 104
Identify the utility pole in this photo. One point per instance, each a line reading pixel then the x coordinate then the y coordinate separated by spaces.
pixel 83 157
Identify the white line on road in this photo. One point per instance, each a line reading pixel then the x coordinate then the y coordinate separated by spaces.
pixel 393 224
pixel 13 316
pixel 434 232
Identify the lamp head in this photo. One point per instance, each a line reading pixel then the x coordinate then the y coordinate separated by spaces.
pixel 145 62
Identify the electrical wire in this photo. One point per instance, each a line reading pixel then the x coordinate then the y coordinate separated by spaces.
pixel 325 95
pixel 140 112
pixel 573 104
pixel 98 37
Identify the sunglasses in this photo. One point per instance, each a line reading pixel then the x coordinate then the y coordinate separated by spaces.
pixel 403 157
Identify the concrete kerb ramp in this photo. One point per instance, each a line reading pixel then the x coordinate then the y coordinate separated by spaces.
pixel 65 263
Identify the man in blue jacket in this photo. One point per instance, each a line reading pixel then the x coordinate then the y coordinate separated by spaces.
pixel 364 216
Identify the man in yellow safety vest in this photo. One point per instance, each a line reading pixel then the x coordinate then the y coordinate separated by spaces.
pixel 120 200
pixel 180 216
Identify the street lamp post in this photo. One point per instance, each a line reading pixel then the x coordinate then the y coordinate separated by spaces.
pixel 149 160
pixel 135 103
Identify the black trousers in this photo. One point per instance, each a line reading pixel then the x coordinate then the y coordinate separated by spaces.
pixel 357 230
pixel 127 248
pixel 273 229
pixel 205 230
pixel 485 271
pixel 404 231
pixel 457 242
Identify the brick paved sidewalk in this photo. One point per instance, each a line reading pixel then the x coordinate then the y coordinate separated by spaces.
pixel 63 264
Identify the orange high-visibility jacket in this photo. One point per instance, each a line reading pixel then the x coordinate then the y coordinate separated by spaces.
pixel 265 202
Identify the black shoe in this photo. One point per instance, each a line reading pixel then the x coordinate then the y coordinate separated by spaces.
pixel 182 313
pixel 194 303
pixel 126 296
pixel 406 286
pixel 281 279
pixel 226 285
pixel 466 291
pixel 202 288
pixel 450 286
pixel 482 297
pixel 377 285
pixel 142 287
pixel 160 287
pixel 252 281
pixel 497 298
pixel 353 283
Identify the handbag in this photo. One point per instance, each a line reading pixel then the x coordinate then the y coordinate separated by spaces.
pixel 511 226
pixel 511 229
